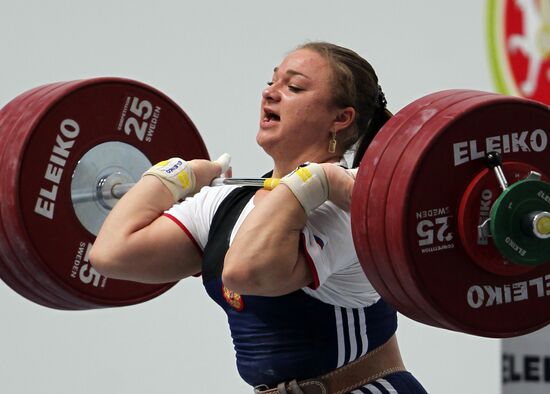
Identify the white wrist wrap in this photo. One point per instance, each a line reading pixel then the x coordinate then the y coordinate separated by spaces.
pixel 176 174
pixel 309 185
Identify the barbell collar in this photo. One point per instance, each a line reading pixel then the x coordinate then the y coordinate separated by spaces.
pixel 539 224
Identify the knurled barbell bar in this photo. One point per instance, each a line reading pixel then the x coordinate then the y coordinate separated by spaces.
pixel 72 149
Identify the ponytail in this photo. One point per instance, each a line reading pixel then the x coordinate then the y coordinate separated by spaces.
pixel 379 120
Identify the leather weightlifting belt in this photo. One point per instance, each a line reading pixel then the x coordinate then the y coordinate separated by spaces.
pixel 382 361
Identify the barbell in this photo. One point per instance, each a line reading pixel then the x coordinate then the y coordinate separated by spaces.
pixel 446 240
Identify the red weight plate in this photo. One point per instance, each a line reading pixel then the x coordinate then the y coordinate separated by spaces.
pixel 402 265
pixel 7 117
pixel 379 239
pixel 449 152
pixel 474 208
pixel 69 126
pixel 12 272
pixel 44 282
pixel 429 106
pixel 384 181
pixel 358 217
pixel 33 279
pixel 387 285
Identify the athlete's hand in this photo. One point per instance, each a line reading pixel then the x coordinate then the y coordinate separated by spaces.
pixel 205 170
pixel 341 182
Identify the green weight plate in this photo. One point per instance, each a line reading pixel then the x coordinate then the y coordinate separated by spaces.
pixel 515 217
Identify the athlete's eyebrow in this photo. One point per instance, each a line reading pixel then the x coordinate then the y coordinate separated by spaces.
pixel 292 72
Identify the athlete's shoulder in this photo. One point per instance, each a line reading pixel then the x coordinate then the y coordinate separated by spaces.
pixel 211 195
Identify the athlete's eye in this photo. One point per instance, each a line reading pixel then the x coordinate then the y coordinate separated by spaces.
pixel 294 89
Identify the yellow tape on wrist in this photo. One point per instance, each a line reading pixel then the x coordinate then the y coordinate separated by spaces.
pixel 309 184
pixel 176 174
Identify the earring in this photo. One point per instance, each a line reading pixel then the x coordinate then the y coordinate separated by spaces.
pixel 332 143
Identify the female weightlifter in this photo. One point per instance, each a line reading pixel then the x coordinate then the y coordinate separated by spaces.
pixel 280 263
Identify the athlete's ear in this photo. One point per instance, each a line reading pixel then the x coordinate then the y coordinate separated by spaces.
pixel 344 118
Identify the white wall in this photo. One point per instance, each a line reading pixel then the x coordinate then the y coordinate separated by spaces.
pixel 213 58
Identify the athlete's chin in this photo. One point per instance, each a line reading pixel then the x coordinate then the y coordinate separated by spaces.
pixel 266 139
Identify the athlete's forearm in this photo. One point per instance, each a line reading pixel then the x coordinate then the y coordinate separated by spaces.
pixel 136 242
pixel 129 245
pixel 265 257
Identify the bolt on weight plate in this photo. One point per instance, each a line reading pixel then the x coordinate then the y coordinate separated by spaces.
pixel 46 152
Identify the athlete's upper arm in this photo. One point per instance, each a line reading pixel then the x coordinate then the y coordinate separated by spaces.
pixel 327 242
pixel 167 247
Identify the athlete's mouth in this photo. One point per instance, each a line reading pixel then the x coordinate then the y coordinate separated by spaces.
pixel 270 115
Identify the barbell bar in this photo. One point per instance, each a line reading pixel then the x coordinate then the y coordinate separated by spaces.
pixel 72 149
pixel 106 190
pixel 535 223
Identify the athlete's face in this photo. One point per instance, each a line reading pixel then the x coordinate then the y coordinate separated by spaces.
pixel 297 113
